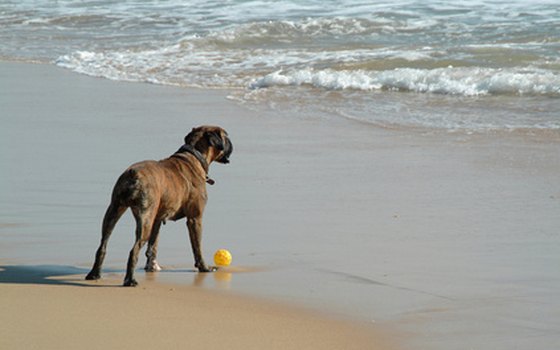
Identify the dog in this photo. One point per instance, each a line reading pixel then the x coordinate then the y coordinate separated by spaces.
pixel 169 189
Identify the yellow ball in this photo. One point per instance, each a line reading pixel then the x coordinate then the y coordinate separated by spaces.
pixel 222 257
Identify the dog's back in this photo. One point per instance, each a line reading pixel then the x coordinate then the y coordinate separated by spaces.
pixel 158 185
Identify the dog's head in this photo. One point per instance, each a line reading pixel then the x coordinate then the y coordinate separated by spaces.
pixel 205 137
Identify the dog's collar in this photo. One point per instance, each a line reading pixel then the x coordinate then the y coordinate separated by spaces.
pixel 196 153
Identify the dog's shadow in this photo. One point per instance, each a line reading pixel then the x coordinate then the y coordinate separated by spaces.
pixel 71 275
pixel 63 275
pixel 45 275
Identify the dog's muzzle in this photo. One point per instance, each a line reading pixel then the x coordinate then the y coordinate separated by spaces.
pixel 226 152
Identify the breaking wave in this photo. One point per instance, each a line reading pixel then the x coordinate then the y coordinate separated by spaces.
pixel 465 81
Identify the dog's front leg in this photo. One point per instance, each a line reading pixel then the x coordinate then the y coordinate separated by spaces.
pixel 195 233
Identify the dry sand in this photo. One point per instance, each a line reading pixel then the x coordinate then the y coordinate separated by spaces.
pixel 451 239
pixel 106 316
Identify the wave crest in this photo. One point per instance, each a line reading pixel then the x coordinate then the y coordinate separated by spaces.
pixel 465 81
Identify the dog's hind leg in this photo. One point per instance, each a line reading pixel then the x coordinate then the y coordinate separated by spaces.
pixel 151 252
pixel 144 222
pixel 112 215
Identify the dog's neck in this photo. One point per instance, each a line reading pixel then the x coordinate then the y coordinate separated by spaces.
pixel 198 155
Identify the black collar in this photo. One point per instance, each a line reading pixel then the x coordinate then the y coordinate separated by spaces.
pixel 196 153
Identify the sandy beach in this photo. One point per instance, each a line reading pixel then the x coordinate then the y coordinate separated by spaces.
pixel 63 315
pixel 377 238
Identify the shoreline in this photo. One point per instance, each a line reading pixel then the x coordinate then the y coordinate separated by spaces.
pixel 449 239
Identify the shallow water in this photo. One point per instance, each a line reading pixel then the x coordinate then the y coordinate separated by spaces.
pixel 476 66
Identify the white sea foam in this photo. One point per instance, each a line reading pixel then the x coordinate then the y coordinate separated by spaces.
pixel 195 61
pixel 454 81
pixel 188 65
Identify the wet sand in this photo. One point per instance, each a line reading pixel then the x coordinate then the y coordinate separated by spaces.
pixel 450 240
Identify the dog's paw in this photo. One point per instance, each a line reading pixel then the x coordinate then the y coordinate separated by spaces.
pixel 92 276
pixel 152 266
pixel 208 269
pixel 130 283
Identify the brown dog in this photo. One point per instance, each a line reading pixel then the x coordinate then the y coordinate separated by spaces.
pixel 169 189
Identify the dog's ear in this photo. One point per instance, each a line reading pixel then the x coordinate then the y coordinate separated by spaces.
pixel 215 140
pixel 193 137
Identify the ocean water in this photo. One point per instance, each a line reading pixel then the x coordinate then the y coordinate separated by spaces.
pixel 469 66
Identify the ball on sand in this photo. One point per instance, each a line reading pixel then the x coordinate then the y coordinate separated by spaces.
pixel 222 257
